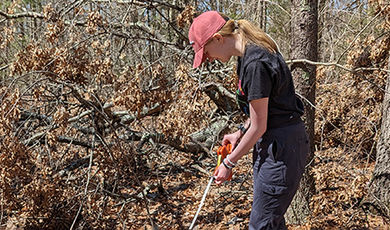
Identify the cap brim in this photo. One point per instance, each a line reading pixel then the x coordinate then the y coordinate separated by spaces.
pixel 199 58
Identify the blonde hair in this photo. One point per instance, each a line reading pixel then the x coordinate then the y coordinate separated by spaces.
pixel 251 34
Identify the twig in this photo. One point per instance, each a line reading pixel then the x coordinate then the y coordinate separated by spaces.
pixel 77 215
pixel 1 214
pixel 174 28
pixel 69 140
pixel 85 190
pixel 21 15
pixel 279 6
pixel 83 114
pixel 30 140
pixel 200 169
pixel 145 3
pixel 105 145
pixel 357 35
pixel 354 71
pixel 334 64
pixel 148 38
pixel 25 91
pixel 4 67
pixel 89 172
pixel 73 5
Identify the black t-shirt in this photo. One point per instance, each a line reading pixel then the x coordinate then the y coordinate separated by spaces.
pixel 263 74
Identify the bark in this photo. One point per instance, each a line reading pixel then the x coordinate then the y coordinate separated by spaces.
pixel 222 97
pixel 381 177
pixel 304 46
pixel 263 16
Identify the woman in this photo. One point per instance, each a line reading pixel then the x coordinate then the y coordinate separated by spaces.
pixel 266 94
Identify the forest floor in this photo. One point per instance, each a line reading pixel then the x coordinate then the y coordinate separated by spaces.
pixel 174 202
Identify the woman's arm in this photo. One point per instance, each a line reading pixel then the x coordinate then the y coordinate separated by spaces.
pixel 258 125
pixel 258 120
pixel 233 138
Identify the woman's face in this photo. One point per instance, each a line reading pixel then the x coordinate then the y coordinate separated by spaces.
pixel 216 49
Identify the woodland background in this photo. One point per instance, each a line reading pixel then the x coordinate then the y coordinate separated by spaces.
pixel 105 125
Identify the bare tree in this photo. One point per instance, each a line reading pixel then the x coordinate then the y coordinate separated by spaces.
pixel 304 46
pixel 381 177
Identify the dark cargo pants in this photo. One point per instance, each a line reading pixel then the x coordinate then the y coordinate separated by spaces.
pixel 279 160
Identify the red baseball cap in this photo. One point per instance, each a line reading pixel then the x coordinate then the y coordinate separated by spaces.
pixel 202 29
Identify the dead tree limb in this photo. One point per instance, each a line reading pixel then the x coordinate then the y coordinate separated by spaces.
pixel 355 70
pixel 21 15
pixel 73 141
pixel 222 97
pixel 4 67
pixel 202 141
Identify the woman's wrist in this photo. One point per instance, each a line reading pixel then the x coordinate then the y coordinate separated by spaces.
pixel 243 129
pixel 228 163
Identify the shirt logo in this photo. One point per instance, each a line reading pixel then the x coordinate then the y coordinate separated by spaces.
pixel 239 90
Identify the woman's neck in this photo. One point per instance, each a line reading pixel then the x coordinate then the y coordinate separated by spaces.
pixel 239 45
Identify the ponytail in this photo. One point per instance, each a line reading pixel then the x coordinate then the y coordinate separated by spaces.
pixel 251 34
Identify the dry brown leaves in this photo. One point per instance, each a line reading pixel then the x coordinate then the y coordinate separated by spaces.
pixel 190 109
pixel 35 195
pixel 347 127
pixel 93 22
pixel 185 17
pixel 140 88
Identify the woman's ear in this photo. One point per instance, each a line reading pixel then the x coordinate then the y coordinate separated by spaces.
pixel 218 37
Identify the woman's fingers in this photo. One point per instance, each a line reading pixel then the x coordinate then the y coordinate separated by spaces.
pixel 219 180
pixel 225 141
pixel 221 175
pixel 231 139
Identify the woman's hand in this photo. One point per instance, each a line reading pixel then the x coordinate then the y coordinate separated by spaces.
pixel 231 139
pixel 222 174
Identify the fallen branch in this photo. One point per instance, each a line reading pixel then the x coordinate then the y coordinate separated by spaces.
pixel 201 141
pixel 21 15
pixel 31 115
pixel 334 64
pixel 175 142
pixel 88 112
pixel 83 162
pixel 73 141
pixel 354 71
pixel 222 97
pixel 4 67
pixel 35 137
pixel 127 118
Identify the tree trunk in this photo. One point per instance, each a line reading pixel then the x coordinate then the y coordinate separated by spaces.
pixel 304 46
pixel 381 177
pixel 262 8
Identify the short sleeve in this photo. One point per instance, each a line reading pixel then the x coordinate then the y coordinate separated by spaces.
pixel 257 81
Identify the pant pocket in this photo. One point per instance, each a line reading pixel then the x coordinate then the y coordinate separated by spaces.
pixel 273 197
pixel 274 150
